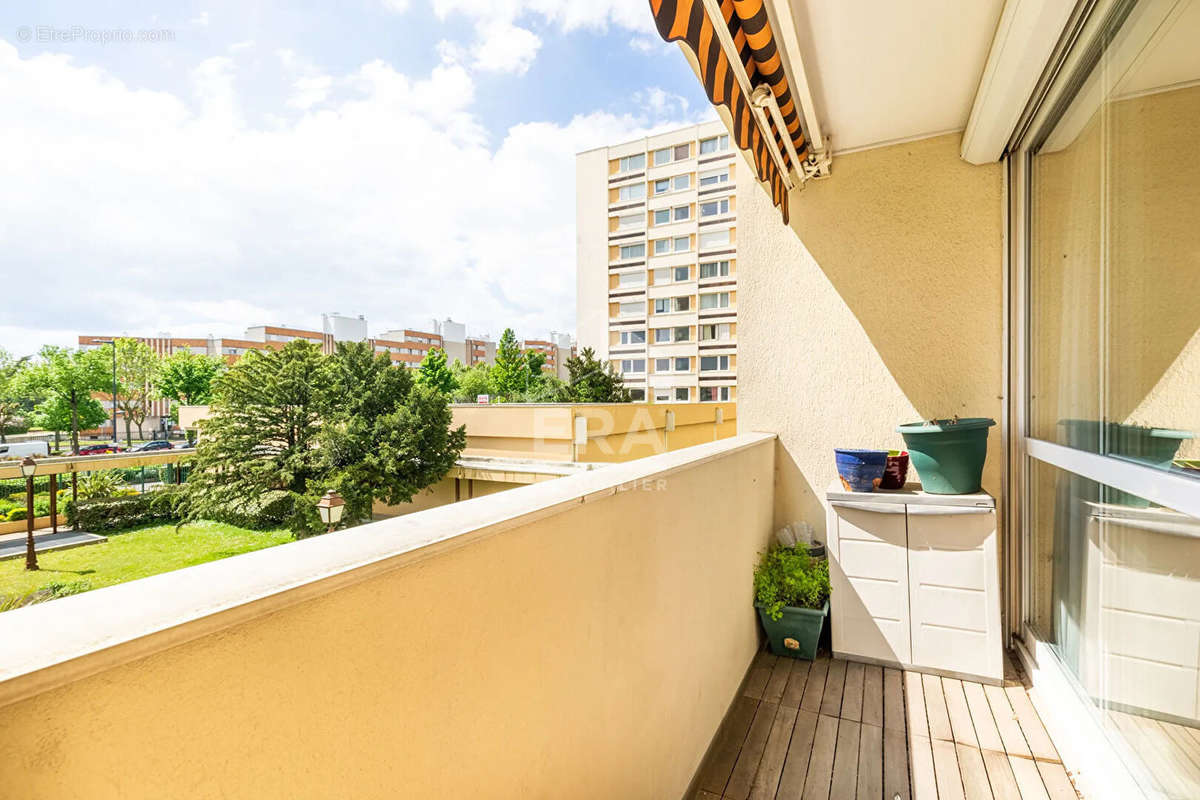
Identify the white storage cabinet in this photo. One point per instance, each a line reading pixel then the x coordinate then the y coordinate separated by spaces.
pixel 915 580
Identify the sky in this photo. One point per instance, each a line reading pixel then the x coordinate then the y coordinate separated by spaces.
pixel 200 167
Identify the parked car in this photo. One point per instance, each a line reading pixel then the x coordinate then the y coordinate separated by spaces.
pixel 157 444
pixel 99 449
pixel 22 449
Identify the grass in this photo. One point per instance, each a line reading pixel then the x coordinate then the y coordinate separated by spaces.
pixel 135 553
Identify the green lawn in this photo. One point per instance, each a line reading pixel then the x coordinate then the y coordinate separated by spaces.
pixel 134 554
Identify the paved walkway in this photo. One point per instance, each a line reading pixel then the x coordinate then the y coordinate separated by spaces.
pixel 13 546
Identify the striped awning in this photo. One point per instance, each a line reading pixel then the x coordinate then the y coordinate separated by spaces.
pixel 686 21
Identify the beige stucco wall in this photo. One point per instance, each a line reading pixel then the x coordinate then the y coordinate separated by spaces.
pixel 881 304
pixel 588 654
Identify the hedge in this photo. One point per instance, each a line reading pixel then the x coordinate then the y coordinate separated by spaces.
pixel 269 512
pixel 115 513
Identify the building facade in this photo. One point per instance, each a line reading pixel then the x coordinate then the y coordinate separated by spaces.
pixel 656 223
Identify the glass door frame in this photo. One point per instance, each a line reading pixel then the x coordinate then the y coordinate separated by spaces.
pixel 1068 709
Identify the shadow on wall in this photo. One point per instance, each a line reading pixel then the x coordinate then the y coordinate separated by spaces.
pixel 881 305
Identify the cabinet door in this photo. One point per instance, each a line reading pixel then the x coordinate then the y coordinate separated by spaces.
pixel 869 577
pixel 954 590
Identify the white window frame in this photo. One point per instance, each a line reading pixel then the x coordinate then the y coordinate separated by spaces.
pixel 706 239
pixel 722 270
pixel 621 252
pixel 722 364
pixel 722 300
pixel 623 164
pixel 722 144
pixel 630 309
pixel 722 207
pixel 629 193
pixel 714 177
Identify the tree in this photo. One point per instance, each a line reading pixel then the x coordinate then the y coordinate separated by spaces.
pixel 472 381
pixel 136 368
pixel 510 374
pixel 434 372
pixel 534 361
pixel 261 438
pixel 12 397
pixel 594 381
pixel 187 377
pixel 70 376
pixel 54 414
pixel 383 437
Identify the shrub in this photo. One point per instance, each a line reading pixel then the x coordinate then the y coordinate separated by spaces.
pixel 271 511
pixel 786 576
pixel 16 515
pixel 48 592
pixel 101 483
pixel 116 513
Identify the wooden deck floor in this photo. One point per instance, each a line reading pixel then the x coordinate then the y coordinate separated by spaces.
pixel 840 730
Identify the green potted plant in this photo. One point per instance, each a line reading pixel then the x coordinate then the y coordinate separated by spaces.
pixel 791 593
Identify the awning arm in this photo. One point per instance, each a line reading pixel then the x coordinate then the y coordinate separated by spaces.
pixel 779 14
pixel 713 9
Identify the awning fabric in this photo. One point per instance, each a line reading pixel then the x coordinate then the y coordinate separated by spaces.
pixel 686 21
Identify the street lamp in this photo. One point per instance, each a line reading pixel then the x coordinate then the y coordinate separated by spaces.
pixel 28 469
pixel 330 508
pixel 113 342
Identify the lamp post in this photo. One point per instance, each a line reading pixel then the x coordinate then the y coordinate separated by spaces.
pixel 113 342
pixel 28 468
pixel 330 508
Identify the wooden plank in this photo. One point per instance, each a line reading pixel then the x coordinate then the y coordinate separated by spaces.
pixel 715 771
pixel 1006 722
pixel 831 701
pixel 1029 781
pixel 760 673
pixel 870 763
pixel 935 709
pixel 703 795
pixel 972 772
pixel 752 751
pixel 1178 734
pixel 794 691
pixel 795 766
pixel 766 779
pixel 1155 752
pixel 852 694
pixel 1180 763
pixel 914 696
pixel 960 716
pixel 773 693
pixel 945 769
pixel 815 687
pixel 845 760
pixel 893 700
pixel 1000 775
pixel 872 708
pixel 981 717
pixel 820 766
pixel 920 754
pixel 1058 784
pixel 1031 724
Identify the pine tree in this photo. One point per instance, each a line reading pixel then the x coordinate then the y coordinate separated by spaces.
pixel 594 381
pixel 510 374
pixel 434 373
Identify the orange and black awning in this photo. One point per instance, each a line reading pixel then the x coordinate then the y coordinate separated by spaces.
pixel 686 21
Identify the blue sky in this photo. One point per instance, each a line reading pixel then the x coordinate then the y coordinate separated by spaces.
pixel 267 161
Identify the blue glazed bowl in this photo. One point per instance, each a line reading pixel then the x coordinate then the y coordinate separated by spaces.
pixel 861 470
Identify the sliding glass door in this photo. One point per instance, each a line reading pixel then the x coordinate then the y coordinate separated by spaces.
pixel 1107 261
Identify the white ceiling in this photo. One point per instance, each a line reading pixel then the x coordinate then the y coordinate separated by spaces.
pixel 882 70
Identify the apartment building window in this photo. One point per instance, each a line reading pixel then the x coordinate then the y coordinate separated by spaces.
pixel 631 163
pixel 662 186
pixel 662 156
pixel 664 216
pixel 710 394
pixel 714 269
pixel 628 309
pixel 682 334
pixel 662 335
pixel 633 251
pixel 682 394
pixel 629 221
pixel 714 177
pixel 714 208
pixel 682 151
pixel 712 333
pixel 662 395
pixel 714 300
pixel 662 365
pixel 714 145
pixel 633 365
pixel 637 395
pixel 681 182
pixel 667 305
pixel 680 244
pixel 631 279
pixel 714 239
pixel 714 363
pixel 633 337
pixel 683 364
pixel 636 191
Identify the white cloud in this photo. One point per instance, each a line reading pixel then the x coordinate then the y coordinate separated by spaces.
pixel 144 211
pixel 309 91
pixel 200 20
pixel 504 47
pixel 398 6
pixel 567 15
pixel 642 44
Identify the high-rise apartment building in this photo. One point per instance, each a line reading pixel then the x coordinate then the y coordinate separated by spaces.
pixel 656 243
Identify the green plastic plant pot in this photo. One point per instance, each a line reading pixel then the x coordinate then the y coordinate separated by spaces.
pixel 797 632
pixel 948 456
pixel 1153 447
